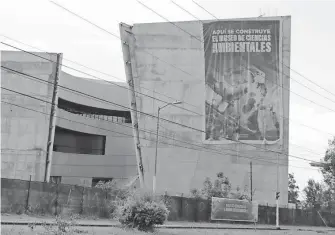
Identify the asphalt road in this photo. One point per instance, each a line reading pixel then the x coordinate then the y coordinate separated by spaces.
pixel 23 229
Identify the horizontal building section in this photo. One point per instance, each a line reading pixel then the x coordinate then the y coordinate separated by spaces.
pixel 93 138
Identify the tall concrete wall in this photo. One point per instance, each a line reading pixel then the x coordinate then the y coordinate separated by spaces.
pixel 24 132
pixel 185 167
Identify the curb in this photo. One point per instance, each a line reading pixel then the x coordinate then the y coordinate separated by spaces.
pixel 52 223
pixel 216 228
pixel 164 226
pixel 159 226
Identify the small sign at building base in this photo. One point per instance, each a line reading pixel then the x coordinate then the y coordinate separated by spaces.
pixel 234 210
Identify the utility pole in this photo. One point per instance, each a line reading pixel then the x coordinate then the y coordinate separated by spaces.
pixel 52 122
pixel 251 180
pixel 277 195
pixel 155 170
pixel 158 115
pixel 125 31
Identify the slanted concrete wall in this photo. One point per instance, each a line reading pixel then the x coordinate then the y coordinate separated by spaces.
pixel 183 168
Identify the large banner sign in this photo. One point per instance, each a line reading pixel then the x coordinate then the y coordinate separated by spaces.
pixel 243 81
pixel 234 210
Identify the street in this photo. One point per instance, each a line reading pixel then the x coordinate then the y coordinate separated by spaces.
pixel 23 229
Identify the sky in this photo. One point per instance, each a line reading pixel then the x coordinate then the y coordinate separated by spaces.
pixel 41 24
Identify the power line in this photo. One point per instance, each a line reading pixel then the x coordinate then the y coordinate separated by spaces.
pixel 309 80
pixel 192 36
pixel 147 52
pixel 234 155
pixel 95 70
pixel 185 31
pixel 187 72
pixel 219 153
pixel 289 67
pixel 151 132
pixel 186 11
pixel 312 90
pixel 321 131
pixel 306 168
pixel 113 83
pixel 114 35
pixel 283 63
pixel 204 9
pixel 23 74
pixel 84 94
pixel 90 22
pixel 64 88
pixel 111 131
pixel 333 110
pixel 307 149
pixel 110 102
pixel 201 130
pixel 41 100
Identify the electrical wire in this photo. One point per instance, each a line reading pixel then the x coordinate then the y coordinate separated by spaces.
pixel 219 153
pixel 239 141
pixel 151 132
pixel 113 83
pixel 95 70
pixel 186 11
pixel 204 9
pixel 26 75
pixel 325 107
pixel 289 67
pixel 84 94
pixel 321 131
pixel 90 22
pixel 192 36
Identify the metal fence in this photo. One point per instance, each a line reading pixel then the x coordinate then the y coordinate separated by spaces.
pixel 19 196
pixel 199 210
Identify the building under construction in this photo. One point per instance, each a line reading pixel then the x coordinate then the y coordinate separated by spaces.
pixel 218 87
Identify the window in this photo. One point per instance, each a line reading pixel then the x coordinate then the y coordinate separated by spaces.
pixel 55 179
pixel 95 181
pixel 93 112
pixel 69 141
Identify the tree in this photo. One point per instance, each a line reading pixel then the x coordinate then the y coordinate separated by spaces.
pixel 313 193
pixel 293 189
pixel 221 187
pixel 328 172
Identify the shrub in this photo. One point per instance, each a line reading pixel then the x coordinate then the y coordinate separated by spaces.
pixel 221 188
pixel 142 212
pixel 117 194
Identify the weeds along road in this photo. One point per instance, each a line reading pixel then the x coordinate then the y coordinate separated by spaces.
pixel 39 230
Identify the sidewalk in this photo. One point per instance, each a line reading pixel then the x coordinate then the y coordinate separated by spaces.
pixel 7 219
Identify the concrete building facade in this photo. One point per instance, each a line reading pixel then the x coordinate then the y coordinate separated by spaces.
pixel 93 138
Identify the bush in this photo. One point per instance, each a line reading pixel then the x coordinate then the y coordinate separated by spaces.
pixel 142 212
pixel 117 194
pixel 221 188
